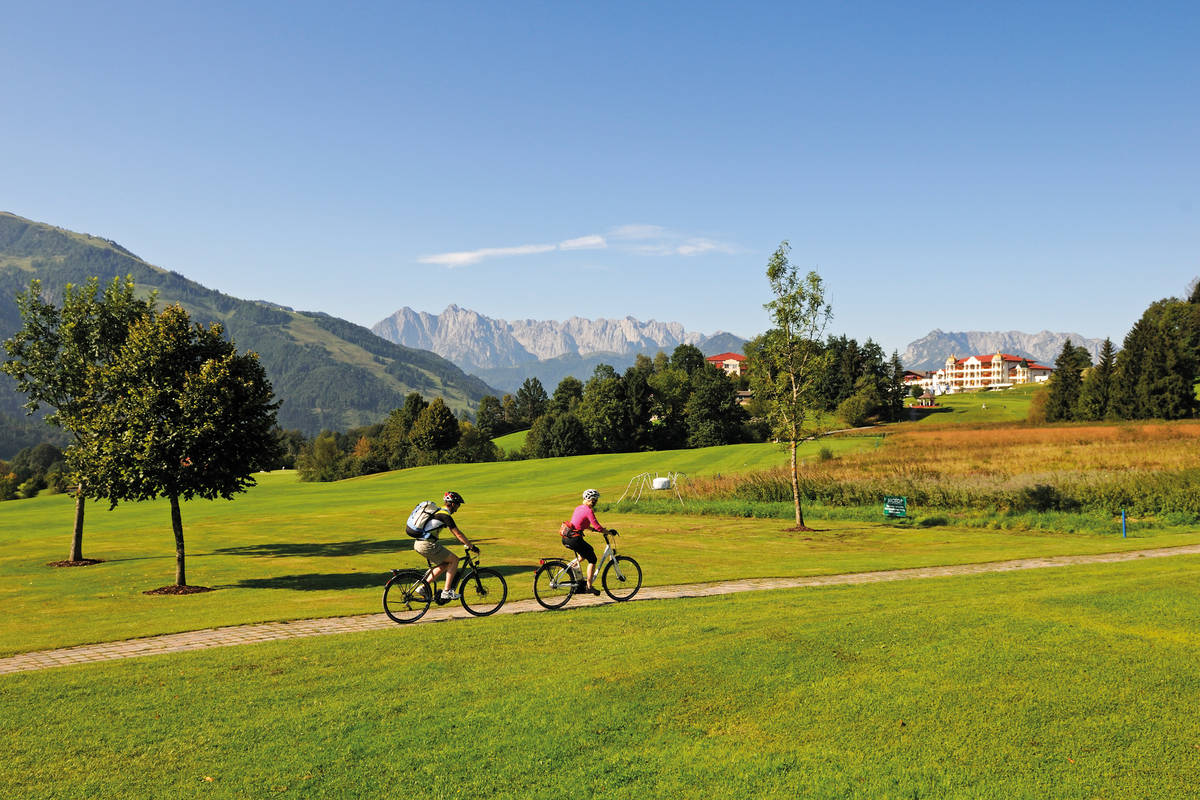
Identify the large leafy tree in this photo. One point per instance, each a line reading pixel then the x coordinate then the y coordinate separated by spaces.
pixel 53 354
pixel 670 388
pixel 604 411
pixel 688 358
pixel 567 395
pixel 176 413
pixel 787 361
pixel 557 434
pixel 436 430
pixel 712 411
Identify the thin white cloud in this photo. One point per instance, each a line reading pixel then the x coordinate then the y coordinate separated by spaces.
pixel 467 257
pixel 593 242
pixel 650 240
pixel 694 247
pixel 638 232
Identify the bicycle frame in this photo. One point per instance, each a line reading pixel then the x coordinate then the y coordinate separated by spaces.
pixel 465 566
pixel 610 555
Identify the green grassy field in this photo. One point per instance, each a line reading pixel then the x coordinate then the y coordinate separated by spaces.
pixel 1068 683
pixel 1006 405
pixel 291 550
pixel 511 442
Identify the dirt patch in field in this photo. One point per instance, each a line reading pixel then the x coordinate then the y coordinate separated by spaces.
pixel 176 589
pixel 83 562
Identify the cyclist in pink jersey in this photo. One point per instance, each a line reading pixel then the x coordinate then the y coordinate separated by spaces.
pixel 584 519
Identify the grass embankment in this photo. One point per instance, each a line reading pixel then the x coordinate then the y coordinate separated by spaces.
pixel 290 550
pixel 511 442
pixel 1004 405
pixel 1075 477
pixel 1067 683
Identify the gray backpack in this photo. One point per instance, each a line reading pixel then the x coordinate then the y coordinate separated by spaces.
pixel 420 518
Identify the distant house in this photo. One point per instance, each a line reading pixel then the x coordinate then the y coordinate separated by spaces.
pixel 918 377
pixel 997 371
pixel 731 363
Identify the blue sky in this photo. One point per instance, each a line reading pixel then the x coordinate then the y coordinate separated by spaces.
pixel 963 166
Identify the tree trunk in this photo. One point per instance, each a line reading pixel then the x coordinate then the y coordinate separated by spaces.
pixel 177 527
pixel 796 486
pixel 77 534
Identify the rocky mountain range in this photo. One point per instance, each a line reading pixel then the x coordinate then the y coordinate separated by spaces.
pixel 504 353
pixel 931 350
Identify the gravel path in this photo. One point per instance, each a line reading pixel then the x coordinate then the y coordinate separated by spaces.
pixel 271 631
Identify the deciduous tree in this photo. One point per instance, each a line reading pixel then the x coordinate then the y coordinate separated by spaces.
pixel 436 429
pixel 787 361
pixel 567 394
pixel 177 413
pixel 53 353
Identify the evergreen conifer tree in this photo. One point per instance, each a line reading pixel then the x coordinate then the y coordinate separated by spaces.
pixel 1064 386
pixel 1097 384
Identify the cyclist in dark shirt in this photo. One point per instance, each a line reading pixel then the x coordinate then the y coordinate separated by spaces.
pixel 437 554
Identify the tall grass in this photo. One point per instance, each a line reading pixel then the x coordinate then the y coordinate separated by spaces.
pixel 1145 469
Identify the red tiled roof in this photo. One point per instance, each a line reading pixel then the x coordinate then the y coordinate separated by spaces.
pixel 727 357
pixel 988 358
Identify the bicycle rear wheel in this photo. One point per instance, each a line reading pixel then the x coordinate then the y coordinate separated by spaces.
pixel 553 584
pixel 622 579
pixel 406 596
pixel 483 591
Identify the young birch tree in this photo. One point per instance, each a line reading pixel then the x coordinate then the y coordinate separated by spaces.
pixel 787 361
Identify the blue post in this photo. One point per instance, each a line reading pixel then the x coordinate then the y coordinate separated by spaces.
pixel 1123 524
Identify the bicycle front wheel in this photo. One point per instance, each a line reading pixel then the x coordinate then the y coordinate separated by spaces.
pixel 406 596
pixel 483 591
pixel 622 578
pixel 553 584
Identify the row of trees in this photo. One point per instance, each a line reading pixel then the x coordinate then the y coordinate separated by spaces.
pixel 667 402
pixel 420 433
pixel 1154 376
pixel 32 470
pixel 156 406
pixel 662 403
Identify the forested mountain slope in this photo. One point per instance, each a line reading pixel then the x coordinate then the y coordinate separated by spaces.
pixel 328 372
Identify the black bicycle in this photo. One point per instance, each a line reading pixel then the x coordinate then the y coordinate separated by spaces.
pixel 556 580
pixel 408 593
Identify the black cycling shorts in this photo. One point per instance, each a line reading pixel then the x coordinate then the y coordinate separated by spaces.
pixel 579 546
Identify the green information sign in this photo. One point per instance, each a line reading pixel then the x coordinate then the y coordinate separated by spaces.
pixel 895 506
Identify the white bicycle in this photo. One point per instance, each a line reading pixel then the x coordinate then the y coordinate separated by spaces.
pixel 557 579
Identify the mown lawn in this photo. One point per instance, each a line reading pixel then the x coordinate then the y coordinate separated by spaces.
pixel 1004 405
pixel 289 550
pixel 1074 682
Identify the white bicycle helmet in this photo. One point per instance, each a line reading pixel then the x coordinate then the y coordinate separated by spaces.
pixel 591 494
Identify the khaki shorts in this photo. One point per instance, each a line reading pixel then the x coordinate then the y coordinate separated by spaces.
pixel 432 550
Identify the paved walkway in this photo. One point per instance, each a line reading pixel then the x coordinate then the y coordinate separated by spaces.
pixel 270 631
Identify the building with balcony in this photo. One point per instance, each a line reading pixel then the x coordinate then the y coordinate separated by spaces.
pixel 997 371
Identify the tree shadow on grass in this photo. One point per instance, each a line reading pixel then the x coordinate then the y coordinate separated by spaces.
pixel 315 581
pixel 336 581
pixel 354 547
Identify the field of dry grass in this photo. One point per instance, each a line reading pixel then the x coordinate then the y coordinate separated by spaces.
pixel 1146 468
